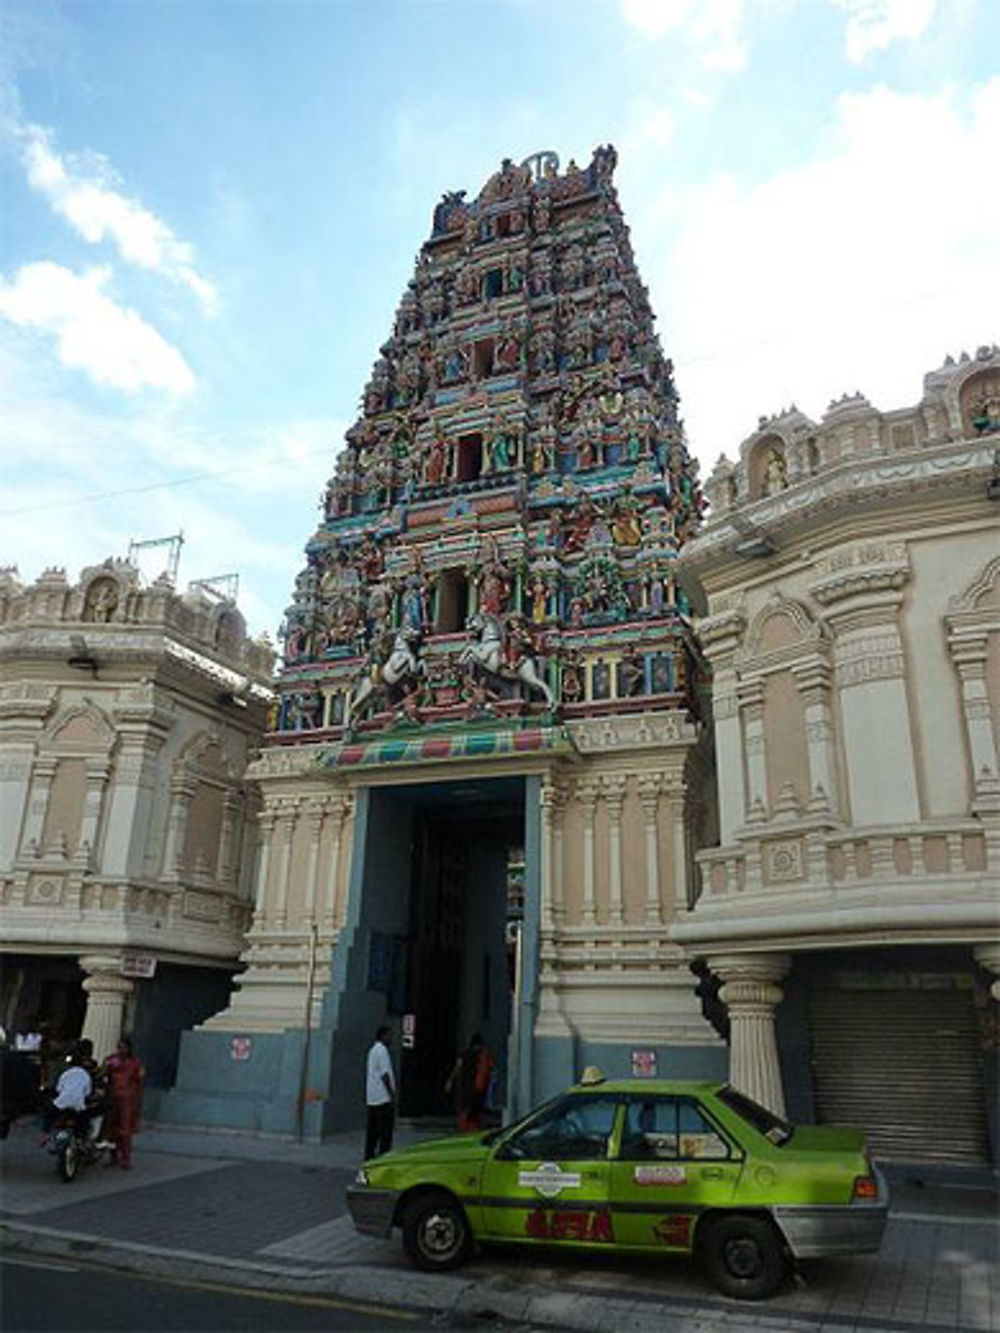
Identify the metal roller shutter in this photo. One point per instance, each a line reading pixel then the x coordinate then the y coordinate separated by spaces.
pixel 905 1066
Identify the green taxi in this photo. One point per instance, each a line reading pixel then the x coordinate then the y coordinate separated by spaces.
pixel 640 1166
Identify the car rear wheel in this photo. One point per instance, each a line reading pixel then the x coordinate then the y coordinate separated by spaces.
pixel 436 1234
pixel 744 1257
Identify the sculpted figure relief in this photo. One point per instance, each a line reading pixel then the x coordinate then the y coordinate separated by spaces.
pixel 509 656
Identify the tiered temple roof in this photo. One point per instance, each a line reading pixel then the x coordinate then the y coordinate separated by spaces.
pixel 499 534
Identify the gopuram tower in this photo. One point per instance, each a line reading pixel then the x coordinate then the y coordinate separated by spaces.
pixel 486 663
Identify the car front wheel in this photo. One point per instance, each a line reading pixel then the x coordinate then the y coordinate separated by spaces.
pixel 435 1232
pixel 744 1257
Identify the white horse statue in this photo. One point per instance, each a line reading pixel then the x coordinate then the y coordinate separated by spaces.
pixel 485 654
pixel 402 664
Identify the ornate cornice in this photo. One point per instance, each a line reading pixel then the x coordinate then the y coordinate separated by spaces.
pixel 961 467
pixel 637 731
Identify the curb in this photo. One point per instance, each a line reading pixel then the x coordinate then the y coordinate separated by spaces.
pixel 496 1300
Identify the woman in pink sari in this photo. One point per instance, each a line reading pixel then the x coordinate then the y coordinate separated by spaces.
pixel 125 1074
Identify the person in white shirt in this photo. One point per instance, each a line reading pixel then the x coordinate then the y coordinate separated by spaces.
pixel 72 1090
pixel 380 1095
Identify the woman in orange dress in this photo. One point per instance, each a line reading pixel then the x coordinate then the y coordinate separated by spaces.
pixel 125 1075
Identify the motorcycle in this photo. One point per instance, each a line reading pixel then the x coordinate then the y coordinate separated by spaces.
pixel 75 1145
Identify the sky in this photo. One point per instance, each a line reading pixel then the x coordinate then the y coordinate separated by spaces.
pixel 209 210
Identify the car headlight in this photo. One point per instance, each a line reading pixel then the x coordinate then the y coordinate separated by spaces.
pixel 362 1177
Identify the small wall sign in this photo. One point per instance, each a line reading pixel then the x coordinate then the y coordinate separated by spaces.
pixel 139 965
pixel 240 1048
pixel 644 1064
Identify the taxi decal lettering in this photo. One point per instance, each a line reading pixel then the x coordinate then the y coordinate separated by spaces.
pixel 548 1180
pixel 660 1175
pixel 578 1224
pixel 674 1229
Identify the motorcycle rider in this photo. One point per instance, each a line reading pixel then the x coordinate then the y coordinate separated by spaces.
pixel 72 1090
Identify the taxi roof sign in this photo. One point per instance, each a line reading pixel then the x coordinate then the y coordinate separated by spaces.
pixel 591 1075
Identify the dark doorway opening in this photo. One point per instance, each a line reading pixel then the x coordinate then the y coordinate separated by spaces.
pixel 470 457
pixel 466 837
pixel 452 601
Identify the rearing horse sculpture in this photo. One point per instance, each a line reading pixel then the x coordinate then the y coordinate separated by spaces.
pixel 485 654
pixel 401 665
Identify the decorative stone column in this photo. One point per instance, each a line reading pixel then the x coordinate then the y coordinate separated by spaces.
pixel 969 655
pixel 90 823
pixel 315 814
pixel 586 794
pixel 721 634
pixel 266 823
pixel 751 994
pixel 38 802
pixel 613 789
pixel 814 682
pixel 650 786
pixel 988 957
pixel 751 696
pixel 228 843
pixel 338 808
pixel 182 790
pixel 553 802
pixel 107 991
pixel 861 590
pixel 288 816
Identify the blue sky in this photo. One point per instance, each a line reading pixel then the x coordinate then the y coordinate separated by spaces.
pixel 209 210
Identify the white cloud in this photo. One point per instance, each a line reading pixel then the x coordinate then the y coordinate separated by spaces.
pixel 855 270
pixel 713 27
pixel 81 481
pixel 112 344
pixel 872 25
pixel 87 194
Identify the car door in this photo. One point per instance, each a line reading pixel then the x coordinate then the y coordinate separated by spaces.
pixel 548 1181
pixel 674 1160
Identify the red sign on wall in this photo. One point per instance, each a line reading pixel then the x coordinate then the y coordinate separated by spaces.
pixel 240 1048
pixel 644 1064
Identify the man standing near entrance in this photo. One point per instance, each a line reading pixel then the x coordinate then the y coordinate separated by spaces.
pixel 380 1095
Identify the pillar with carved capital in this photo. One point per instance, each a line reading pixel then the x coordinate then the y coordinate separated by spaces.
pixel 751 993
pixel 315 814
pixel 288 814
pixel 988 957
pixel 338 808
pixel 182 792
pixel 650 786
pixel 232 808
pixel 38 802
pixel 815 682
pixel 553 800
pixel 613 789
pixel 107 991
pixel 266 821
pixel 586 794
pixel 970 655
pixel 751 695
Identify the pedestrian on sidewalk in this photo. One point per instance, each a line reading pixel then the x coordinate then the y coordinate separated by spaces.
pixel 125 1076
pixel 470 1079
pixel 380 1095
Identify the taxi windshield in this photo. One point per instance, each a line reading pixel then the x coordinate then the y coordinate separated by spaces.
pixel 765 1122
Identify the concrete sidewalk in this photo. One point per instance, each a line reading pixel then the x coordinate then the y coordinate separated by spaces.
pixel 265 1212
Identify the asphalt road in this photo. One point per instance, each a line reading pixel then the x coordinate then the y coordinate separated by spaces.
pixel 77 1298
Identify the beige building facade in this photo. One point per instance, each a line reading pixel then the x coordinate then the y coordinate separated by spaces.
pixel 127 717
pixel 849 584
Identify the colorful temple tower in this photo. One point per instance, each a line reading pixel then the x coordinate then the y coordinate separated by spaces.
pixel 486 661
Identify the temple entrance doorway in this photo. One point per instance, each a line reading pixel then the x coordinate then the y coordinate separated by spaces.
pixel 466 854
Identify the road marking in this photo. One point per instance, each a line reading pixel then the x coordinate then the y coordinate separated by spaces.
pixel 38 1263
pixel 949 1219
pixel 275 1297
